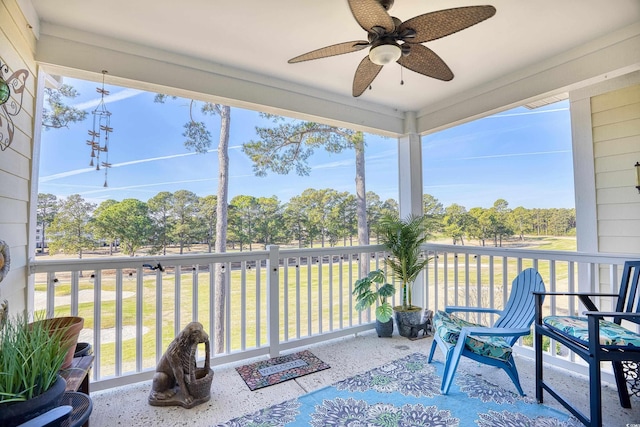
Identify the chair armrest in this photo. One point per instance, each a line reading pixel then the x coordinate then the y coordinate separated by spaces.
pixel 452 309
pixel 52 417
pixel 621 314
pixel 577 294
pixel 584 297
pixel 507 332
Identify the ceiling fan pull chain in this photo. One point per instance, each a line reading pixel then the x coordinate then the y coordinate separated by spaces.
pixel 401 76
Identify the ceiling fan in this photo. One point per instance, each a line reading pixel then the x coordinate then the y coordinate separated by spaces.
pixel 393 40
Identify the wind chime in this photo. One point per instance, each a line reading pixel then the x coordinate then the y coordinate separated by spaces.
pixel 99 142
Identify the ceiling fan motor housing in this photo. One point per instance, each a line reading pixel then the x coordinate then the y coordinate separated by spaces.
pixel 386 4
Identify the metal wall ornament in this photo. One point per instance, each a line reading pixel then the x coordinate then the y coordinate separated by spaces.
pixel 99 134
pixel 10 106
pixel 5 260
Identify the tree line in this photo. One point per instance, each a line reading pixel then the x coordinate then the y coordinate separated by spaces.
pixel 324 217
pixel 281 146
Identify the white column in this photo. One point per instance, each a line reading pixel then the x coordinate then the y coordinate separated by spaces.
pixel 410 169
pixel 584 175
pixel 410 184
pixel 584 185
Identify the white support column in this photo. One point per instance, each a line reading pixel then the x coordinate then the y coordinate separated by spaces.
pixel 584 175
pixel 410 183
pixel 410 168
pixel 584 185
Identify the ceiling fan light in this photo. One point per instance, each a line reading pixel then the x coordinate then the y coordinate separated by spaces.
pixel 385 54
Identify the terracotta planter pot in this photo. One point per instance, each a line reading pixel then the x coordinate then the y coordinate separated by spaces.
pixel 73 325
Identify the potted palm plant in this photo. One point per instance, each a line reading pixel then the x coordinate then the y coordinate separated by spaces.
pixel 402 239
pixel 30 357
pixel 371 290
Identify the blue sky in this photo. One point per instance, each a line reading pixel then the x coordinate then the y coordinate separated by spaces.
pixel 520 155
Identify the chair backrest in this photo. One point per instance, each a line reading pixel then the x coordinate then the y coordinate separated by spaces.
pixel 520 309
pixel 629 296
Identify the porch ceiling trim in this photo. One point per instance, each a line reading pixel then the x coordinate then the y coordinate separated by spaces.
pixel 59 51
pixel 603 59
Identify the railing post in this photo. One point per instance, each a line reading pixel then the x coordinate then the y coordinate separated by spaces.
pixel 273 285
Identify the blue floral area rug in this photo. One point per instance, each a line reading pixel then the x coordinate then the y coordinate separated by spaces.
pixel 406 392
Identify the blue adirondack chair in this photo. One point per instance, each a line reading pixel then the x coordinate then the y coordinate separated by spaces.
pixel 489 345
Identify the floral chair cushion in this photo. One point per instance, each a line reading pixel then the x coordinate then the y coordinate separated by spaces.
pixel 611 334
pixel 448 327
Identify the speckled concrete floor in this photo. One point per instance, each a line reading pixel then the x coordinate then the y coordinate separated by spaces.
pixel 230 397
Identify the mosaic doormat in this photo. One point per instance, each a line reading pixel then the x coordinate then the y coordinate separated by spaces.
pixel 279 369
pixel 406 392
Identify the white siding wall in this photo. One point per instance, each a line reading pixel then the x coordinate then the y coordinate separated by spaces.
pixel 17 47
pixel 606 144
pixel 615 117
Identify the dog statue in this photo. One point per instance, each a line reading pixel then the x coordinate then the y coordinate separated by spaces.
pixel 172 373
pixel 425 326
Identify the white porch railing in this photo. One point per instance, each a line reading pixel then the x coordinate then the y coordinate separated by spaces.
pixel 277 299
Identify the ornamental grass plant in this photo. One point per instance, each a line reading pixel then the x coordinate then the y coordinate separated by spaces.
pixel 30 358
pixel 402 239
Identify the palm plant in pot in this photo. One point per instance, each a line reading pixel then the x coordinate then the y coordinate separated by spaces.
pixel 30 358
pixel 371 290
pixel 402 239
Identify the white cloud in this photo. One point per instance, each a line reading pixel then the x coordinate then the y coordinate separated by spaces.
pixel 117 165
pixel 336 164
pixel 118 96
pixel 65 174
pixel 155 159
pixel 527 113
pixel 493 156
pixel 155 184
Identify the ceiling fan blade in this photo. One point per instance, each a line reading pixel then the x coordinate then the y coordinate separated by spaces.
pixel 333 50
pixel 370 13
pixel 423 60
pixel 365 73
pixel 434 25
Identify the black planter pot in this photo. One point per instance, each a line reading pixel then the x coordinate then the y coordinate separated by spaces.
pixel 13 414
pixel 83 349
pixel 408 321
pixel 384 329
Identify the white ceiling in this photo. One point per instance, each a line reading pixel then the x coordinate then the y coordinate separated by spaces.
pixel 255 38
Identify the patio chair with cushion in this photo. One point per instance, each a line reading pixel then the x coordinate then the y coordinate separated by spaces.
pixel 457 337
pixel 615 343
